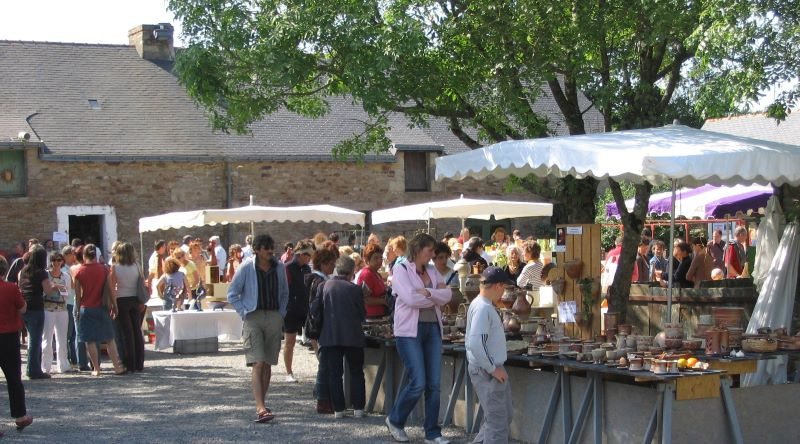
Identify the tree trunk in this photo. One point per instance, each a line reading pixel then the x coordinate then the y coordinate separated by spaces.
pixel 633 223
pixel 576 205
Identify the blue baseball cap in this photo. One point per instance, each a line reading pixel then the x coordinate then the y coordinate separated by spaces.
pixel 495 275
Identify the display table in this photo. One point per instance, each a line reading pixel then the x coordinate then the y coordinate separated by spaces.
pixel 558 400
pixel 225 325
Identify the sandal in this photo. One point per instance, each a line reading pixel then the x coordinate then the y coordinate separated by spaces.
pixel 23 422
pixel 264 416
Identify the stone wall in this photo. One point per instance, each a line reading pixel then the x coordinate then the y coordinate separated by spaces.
pixel 139 189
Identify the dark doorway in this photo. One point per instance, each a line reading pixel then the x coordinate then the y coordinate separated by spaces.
pixel 88 228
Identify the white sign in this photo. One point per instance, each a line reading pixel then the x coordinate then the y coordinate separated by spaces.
pixel 566 311
pixel 60 237
pixel 560 249
pixel 575 230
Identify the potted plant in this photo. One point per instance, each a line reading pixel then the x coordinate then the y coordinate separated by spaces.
pixel 587 286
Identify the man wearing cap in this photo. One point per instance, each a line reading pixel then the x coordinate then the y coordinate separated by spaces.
pixel 486 354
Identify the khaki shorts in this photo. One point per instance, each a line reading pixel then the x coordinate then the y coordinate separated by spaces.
pixel 262 336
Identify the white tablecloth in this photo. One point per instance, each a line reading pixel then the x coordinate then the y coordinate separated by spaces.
pixel 226 325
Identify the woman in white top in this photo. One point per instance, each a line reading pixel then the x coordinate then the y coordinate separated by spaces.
pixel 441 257
pixel 56 318
pixel 125 277
pixel 531 276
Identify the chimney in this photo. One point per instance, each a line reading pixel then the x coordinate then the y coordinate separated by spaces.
pixel 153 42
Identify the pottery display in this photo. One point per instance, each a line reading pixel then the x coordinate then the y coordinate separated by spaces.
pixel 521 307
pixel 624 329
pixel 598 356
pixel 636 363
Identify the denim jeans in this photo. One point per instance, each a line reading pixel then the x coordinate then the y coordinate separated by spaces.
pixel 83 357
pixel 34 323
pixel 355 361
pixel 422 357
pixel 72 336
pixel 322 388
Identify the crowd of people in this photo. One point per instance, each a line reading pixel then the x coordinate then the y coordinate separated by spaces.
pixel 692 263
pixel 70 302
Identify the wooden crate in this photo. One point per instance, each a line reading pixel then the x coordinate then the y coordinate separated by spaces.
pixel 586 247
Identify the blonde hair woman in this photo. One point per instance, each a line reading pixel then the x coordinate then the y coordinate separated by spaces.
pixel 124 281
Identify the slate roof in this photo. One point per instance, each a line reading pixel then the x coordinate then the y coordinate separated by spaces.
pixel 758 126
pixel 146 115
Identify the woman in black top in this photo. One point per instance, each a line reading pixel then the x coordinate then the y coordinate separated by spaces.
pixel 472 252
pixel 33 283
pixel 682 252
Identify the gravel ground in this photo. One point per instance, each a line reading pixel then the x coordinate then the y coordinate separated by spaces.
pixel 188 398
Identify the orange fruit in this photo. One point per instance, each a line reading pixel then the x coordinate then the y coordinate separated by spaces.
pixel 691 362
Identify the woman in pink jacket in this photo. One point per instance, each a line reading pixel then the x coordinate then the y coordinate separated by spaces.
pixel 418 328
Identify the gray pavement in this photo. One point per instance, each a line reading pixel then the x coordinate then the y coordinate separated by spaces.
pixel 188 398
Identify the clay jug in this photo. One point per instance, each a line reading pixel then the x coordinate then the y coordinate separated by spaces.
pixel 472 286
pixel 511 323
pixel 508 298
pixel 521 306
pixel 712 341
pixel 456 298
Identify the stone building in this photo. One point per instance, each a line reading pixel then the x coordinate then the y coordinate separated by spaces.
pixel 93 137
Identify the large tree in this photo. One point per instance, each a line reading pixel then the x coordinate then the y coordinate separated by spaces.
pixel 483 64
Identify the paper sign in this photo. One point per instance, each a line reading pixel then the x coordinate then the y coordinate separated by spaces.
pixel 60 237
pixel 560 249
pixel 566 311
pixel 575 230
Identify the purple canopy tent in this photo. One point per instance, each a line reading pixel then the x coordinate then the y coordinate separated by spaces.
pixel 705 202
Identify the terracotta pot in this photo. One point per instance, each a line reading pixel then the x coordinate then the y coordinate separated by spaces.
pixel 511 323
pixel 611 319
pixel 573 268
pixel 735 337
pixel 509 297
pixel 712 341
pixel 624 329
pixel 728 316
pixel 521 306
pixel 472 286
pixel 673 331
pixel 456 299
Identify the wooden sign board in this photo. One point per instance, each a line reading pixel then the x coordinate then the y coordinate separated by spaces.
pixel 582 243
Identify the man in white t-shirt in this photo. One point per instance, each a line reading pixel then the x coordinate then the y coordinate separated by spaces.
pixel 486 353
pixel 220 254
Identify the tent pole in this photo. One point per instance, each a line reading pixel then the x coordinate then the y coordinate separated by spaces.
pixel 671 247
pixel 141 249
pixel 252 225
pixel 429 226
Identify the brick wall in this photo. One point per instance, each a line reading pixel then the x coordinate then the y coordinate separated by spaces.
pixel 142 189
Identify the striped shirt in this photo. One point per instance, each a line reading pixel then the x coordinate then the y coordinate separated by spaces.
pixel 485 339
pixel 267 288
pixel 531 274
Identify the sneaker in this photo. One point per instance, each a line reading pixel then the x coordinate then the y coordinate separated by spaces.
pixel 397 433
pixel 290 378
pixel 338 415
pixel 439 440
pixel 358 413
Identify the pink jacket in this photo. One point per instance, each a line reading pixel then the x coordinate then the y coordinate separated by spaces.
pixel 405 283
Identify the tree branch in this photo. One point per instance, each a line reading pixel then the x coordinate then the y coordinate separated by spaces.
pixel 458 131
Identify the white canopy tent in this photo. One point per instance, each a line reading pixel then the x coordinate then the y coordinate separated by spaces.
pixel 251 214
pixel 671 154
pixel 463 209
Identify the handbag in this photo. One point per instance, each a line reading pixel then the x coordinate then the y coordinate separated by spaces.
pixel 142 295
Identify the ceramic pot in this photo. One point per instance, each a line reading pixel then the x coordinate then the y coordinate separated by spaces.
pixel 630 342
pixel 528 327
pixel 636 363
pixel 658 366
pixel 521 306
pixel 673 331
pixel 611 319
pixel 705 319
pixel 598 355
pixel 728 316
pixel 456 299
pixel 509 297
pixel 461 321
pixel 624 329
pixel 573 268
pixel 596 288
pixel 511 323
pixel 712 337
pixel 472 286
pixel 600 338
pixel 735 337
pixel 559 285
